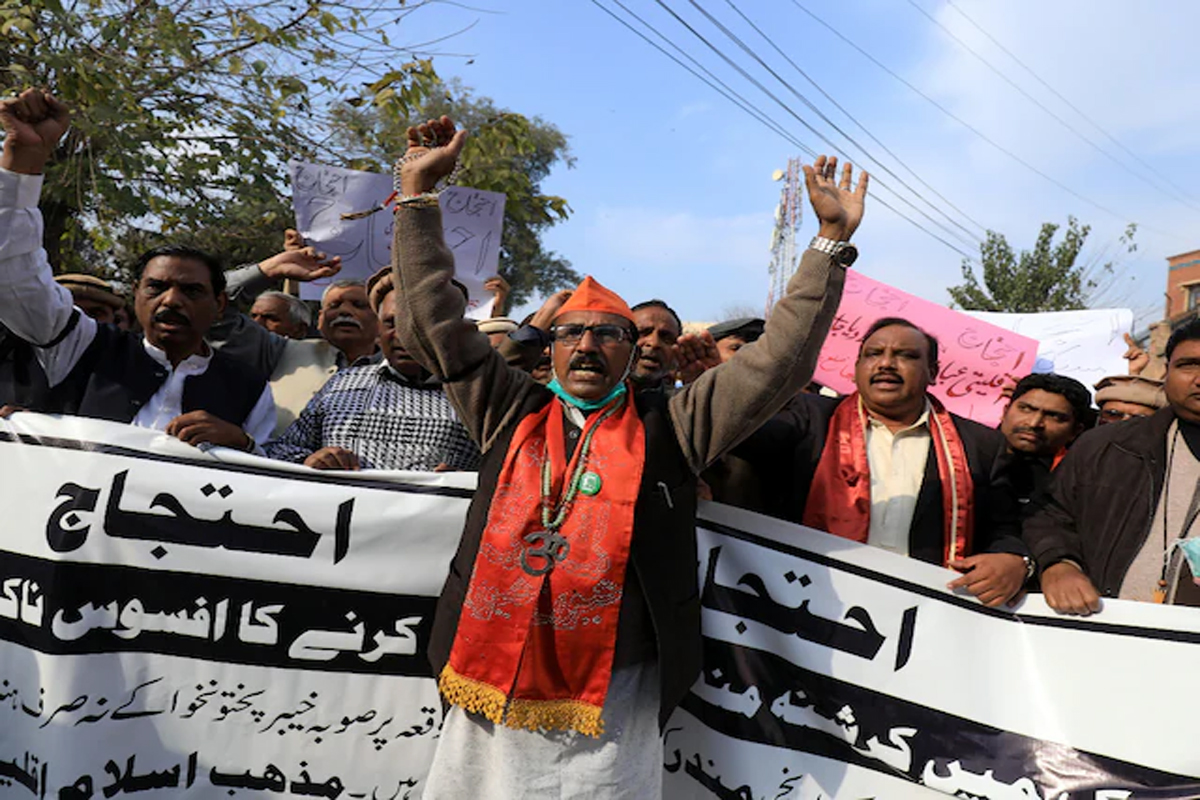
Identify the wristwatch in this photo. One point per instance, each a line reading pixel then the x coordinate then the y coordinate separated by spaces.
pixel 843 253
pixel 1030 568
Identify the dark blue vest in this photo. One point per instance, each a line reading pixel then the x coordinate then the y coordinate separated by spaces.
pixel 116 377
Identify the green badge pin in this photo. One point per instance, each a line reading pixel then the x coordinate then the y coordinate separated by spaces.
pixel 590 484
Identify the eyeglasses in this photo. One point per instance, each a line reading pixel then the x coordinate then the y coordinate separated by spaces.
pixel 605 334
pixel 1113 415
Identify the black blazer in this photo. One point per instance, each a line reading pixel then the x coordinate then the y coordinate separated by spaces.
pixel 786 450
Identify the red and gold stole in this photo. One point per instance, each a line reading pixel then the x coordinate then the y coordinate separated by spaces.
pixel 839 500
pixel 536 652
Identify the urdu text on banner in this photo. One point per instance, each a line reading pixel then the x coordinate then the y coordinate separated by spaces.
pixel 976 358
pixel 472 219
pixel 169 622
pixel 212 625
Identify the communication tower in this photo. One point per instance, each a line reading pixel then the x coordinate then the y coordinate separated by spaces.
pixel 784 255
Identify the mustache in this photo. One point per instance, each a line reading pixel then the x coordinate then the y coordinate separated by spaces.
pixel 587 360
pixel 171 317
pixel 1034 431
pixel 346 318
pixel 886 373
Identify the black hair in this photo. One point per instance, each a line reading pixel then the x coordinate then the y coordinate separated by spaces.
pixel 656 303
pixel 886 322
pixel 1188 332
pixel 1075 393
pixel 216 273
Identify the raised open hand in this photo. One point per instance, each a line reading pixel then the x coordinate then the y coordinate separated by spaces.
pixel 433 149
pixel 1137 357
pixel 304 264
pixel 499 289
pixel 33 123
pixel 838 208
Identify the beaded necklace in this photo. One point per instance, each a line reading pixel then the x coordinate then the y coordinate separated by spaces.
pixel 549 544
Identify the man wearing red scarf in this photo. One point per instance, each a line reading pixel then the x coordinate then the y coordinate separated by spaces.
pixel 889 466
pixel 569 626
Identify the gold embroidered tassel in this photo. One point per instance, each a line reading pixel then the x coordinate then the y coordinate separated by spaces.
pixel 560 715
pixel 471 695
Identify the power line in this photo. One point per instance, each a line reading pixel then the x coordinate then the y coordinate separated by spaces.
pixel 763 118
pixel 1183 192
pixel 969 237
pixel 978 133
pixel 1049 112
pixel 715 83
pixel 758 84
pixel 851 117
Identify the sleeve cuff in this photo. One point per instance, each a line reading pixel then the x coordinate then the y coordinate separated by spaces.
pixel 18 190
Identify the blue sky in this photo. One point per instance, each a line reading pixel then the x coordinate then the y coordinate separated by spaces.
pixel 672 192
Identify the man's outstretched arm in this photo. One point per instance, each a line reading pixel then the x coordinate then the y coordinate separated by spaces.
pixel 32 305
pixel 485 391
pixel 729 402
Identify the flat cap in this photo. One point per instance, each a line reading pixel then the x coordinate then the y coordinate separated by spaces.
pixel 496 325
pixel 1131 389
pixel 90 287
pixel 745 328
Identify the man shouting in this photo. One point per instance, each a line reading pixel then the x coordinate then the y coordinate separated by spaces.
pixel 569 626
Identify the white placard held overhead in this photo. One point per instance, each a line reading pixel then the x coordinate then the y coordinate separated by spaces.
pixel 473 221
pixel 1085 345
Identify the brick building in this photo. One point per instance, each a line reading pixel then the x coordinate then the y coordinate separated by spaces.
pixel 1183 283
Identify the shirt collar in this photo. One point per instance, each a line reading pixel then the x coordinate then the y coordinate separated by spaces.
pixel 362 361
pixel 195 360
pixel 922 421
pixel 385 370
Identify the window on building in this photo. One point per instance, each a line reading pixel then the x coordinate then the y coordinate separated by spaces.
pixel 1193 297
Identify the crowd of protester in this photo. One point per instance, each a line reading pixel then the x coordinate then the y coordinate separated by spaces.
pixel 227 358
pixel 1078 495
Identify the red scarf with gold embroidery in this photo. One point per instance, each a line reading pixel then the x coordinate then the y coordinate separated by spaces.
pixel 536 651
pixel 839 500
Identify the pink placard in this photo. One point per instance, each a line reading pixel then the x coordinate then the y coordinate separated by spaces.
pixel 977 358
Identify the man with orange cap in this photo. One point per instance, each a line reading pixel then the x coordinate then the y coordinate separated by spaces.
pixel 569 626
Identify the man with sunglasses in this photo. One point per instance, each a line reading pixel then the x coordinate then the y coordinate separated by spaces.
pixel 569 626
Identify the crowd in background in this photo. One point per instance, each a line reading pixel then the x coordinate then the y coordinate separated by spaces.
pixel 1065 495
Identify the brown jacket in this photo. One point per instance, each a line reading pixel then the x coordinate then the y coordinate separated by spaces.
pixel 707 419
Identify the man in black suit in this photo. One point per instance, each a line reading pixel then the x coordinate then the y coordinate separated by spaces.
pixel 889 466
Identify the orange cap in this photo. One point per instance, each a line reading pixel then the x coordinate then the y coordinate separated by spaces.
pixel 591 296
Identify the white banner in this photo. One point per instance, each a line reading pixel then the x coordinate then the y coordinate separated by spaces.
pixel 857 671
pixel 177 625
pixel 1084 345
pixel 184 626
pixel 473 221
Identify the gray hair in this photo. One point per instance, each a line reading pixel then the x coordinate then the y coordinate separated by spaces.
pixel 341 283
pixel 297 310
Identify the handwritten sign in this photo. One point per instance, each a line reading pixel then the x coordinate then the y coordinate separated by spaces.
pixel 472 220
pixel 1085 345
pixel 976 358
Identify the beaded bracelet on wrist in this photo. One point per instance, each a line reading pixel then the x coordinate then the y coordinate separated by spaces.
pixel 418 200
pixel 413 156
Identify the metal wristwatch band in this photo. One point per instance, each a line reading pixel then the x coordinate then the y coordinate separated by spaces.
pixel 828 246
